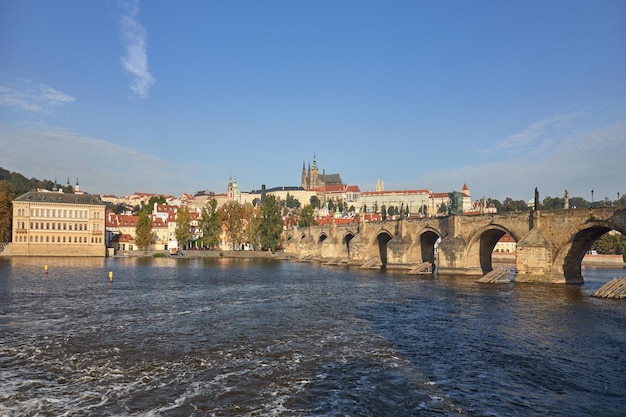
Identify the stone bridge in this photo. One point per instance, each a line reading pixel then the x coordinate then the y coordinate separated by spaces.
pixel 550 243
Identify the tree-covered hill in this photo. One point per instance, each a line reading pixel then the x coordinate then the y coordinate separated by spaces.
pixel 19 184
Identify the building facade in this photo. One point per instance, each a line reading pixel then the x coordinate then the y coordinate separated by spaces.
pixel 58 224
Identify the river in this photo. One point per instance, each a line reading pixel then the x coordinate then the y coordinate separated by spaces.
pixel 244 337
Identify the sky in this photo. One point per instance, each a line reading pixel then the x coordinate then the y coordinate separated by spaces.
pixel 178 97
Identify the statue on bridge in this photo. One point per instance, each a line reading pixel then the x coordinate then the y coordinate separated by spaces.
pixel 536 199
pixel 566 204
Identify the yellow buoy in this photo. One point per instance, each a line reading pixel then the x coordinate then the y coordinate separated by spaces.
pixel 111 276
pixel 45 268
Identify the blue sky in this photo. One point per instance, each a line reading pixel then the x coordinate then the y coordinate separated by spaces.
pixel 173 97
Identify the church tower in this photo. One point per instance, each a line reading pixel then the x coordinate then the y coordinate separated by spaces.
pixel 313 175
pixel 380 185
pixel 303 180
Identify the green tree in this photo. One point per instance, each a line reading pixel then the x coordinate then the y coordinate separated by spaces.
pixel 610 244
pixel 270 223
pixel 143 237
pixel 6 213
pixel 211 224
pixel 578 202
pixel 495 203
pixel 292 202
pixel 182 231
pixel 232 215
pixel 315 202
pixel 149 207
pixel 514 205
pixel 251 224
pixel 551 203
pixel 307 216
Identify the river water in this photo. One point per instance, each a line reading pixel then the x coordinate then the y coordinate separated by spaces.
pixel 237 337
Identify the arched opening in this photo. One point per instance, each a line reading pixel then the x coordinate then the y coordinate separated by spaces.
pixel 322 238
pixel 488 240
pixel 582 244
pixel 346 241
pixel 381 241
pixel 428 242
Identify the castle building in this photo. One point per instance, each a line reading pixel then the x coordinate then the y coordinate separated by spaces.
pixel 311 178
pixel 58 224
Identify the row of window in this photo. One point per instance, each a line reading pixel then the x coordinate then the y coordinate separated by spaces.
pixel 59 239
pixel 63 213
pixel 57 226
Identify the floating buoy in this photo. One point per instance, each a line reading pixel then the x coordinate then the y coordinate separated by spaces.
pixel 45 268
pixel 111 276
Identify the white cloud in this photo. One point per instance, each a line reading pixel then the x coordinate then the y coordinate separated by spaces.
pixel 135 60
pixel 537 135
pixel 578 161
pixel 103 167
pixel 24 94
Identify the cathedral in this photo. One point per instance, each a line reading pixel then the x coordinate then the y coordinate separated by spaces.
pixel 312 179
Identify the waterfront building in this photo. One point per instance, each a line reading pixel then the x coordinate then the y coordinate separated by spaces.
pixel 58 224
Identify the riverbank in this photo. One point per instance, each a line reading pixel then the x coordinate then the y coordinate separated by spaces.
pixel 196 254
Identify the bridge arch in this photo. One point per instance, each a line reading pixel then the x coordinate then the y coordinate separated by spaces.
pixel 379 246
pixel 322 237
pixel 569 257
pixel 428 238
pixel 481 244
pixel 347 237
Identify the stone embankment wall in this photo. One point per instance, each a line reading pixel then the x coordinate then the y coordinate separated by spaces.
pixel 588 260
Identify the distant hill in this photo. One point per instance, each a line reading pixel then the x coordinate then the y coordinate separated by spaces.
pixel 21 185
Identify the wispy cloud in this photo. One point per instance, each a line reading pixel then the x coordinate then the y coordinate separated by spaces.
pixel 24 94
pixel 135 60
pixel 538 135
pixel 578 159
pixel 103 167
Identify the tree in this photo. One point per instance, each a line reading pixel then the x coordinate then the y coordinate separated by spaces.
pixel 6 213
pixel 270 223
pixel 182 232
pixel 143 232
pixel 251 224
pixel 315 202
pixel 232 215
pixel 292 202
pixel 550 203
pixel 495 203
pixel 211 224
pixel 149 207
pixel 610 244
pixel 307 217
pixel 514 205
